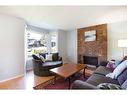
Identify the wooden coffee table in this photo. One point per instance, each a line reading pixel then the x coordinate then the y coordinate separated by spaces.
pixel 68 69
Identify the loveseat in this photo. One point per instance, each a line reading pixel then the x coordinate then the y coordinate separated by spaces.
pixel 41 68
pixel 99 77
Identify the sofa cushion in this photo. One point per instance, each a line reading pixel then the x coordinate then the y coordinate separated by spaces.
pixel 102 70
pixel 124 85
pixel 52 64
pixel 78 84
pixel 122 77
pixel 55 56
pixel 96 79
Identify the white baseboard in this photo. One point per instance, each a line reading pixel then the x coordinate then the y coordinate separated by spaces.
pixel 12 78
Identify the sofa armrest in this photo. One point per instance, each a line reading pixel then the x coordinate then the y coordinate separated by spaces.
pixel 78 84
pixel 103 63
pixel 60 58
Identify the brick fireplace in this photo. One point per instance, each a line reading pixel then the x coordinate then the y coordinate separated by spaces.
pixel 97 48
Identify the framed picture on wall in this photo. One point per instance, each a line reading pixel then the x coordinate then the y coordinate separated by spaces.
pixel 90 35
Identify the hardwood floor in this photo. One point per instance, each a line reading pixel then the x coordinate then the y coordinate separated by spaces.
pixel 29 81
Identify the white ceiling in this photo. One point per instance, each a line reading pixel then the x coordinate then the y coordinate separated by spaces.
pixel 61 17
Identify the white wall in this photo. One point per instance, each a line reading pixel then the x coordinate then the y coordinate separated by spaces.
pixel 116 31
pixel 62 44
pixel 11 47
pixel 72 46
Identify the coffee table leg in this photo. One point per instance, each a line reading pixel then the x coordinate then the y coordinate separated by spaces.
pixel 54 79
pixel 69 82
pixel 84 73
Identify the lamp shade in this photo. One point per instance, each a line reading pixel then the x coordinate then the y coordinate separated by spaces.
pixel 122 43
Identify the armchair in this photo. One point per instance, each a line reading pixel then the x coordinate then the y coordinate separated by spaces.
pixel 43 68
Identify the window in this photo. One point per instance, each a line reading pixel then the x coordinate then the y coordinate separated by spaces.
pixel 37 43
pixel 41 42
pixel 54 42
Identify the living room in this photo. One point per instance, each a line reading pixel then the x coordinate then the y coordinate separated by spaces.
pixel 106 24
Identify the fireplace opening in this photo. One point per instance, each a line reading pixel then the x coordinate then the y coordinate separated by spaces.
pixel 91 60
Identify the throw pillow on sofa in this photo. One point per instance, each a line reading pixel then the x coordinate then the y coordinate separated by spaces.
pixel 118 70
pixel 117 62
pixel 55 56
pixel 43 54
pixel 36 58
pixel 48 57
pixel 42 58
pixel 111 65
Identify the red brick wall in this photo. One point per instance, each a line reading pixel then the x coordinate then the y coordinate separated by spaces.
pixel 93 48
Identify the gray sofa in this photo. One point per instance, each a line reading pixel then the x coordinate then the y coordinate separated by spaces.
pixel 98 77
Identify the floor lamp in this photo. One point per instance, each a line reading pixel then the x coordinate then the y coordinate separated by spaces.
pixel 123 44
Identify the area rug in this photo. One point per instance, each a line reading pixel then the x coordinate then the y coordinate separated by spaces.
pixel 64 84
